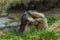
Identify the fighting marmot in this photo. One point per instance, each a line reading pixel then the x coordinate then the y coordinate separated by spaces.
pixel 32 18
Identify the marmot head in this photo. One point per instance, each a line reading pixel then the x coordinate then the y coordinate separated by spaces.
pixel 36 17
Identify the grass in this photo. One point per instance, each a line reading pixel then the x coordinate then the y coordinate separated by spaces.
pixel 33 34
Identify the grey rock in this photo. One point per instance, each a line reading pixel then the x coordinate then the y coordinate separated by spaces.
pixel 11 27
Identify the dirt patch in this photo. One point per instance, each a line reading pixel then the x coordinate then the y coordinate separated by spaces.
pixel 53 12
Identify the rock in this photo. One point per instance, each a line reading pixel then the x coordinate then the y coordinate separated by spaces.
pixel 48 4
pixel 43 5
pixel 13 26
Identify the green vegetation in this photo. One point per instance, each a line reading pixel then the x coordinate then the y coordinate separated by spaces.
pixel 52 19
pixel 33 34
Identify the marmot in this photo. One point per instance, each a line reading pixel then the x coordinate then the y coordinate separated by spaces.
pixel 32 18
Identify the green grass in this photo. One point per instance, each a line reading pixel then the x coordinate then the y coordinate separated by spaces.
pixel 33 34
pixel 52 19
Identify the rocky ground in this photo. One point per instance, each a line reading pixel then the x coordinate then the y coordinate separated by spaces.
pixel 8 24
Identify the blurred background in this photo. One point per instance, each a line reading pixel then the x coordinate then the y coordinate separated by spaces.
pixel 47 7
